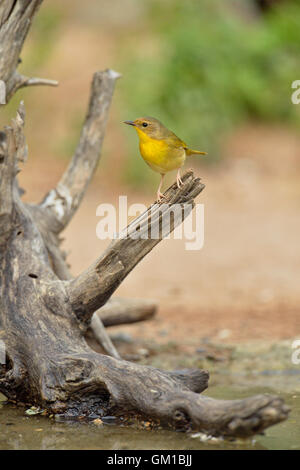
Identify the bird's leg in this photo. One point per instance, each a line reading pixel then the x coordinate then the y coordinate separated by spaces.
pixel 178 179
pixel 160 196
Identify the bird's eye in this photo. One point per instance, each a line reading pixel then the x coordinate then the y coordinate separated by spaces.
pixel 145 124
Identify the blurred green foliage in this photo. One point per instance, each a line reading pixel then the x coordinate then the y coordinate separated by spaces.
pixel 203 67
pixel 43 35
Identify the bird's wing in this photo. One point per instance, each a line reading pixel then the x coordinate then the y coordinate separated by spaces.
pixel 174 141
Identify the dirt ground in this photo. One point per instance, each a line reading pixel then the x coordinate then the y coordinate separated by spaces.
pixel 244 283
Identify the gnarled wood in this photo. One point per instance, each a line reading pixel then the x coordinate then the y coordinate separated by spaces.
pixel 44 313
pixel 55 368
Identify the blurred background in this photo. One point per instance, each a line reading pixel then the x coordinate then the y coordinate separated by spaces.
pixel 219 74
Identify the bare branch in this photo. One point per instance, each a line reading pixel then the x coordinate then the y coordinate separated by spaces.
pixel 33 81
pixel 90 290
pixel 21 81
pixel 15 21
pixel 13 148
pixel 62 202
pixel 121 311
pixel 102 337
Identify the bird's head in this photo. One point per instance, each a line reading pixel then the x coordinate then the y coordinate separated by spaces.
pixel 149 126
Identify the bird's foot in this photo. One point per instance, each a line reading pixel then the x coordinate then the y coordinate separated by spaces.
pixel 178 179
pixel 160 196
pixel 179 182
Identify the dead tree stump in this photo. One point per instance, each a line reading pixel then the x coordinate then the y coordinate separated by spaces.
pixel 44 312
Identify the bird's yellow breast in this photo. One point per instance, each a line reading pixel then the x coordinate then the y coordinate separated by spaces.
pixel 159 155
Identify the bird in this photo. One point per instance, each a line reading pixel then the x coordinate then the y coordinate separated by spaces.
pixel 161 149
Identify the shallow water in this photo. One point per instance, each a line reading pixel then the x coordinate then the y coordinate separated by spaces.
pixel 19 431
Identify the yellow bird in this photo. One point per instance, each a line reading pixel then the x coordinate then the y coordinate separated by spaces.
pixel 161 149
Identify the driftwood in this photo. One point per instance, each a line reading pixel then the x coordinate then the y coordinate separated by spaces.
pixel 44 313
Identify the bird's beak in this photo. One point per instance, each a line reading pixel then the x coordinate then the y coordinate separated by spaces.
pixel 131 123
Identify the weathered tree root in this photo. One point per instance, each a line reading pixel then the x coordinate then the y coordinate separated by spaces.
pixel 177 404
pixel 44 313
pixel 94 385
pixel 44 320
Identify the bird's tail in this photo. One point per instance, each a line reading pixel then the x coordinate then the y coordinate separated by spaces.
pixel 194 152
